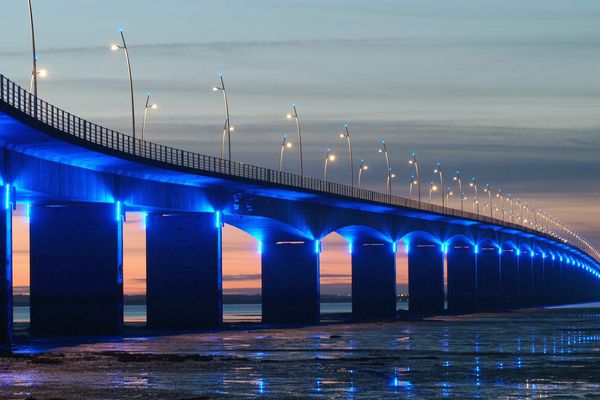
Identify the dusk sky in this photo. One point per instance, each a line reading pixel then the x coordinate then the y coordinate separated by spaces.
pixel 508 91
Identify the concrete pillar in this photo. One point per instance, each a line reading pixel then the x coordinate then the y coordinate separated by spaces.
pixel 373 279
pixel 183 271
pixel 526 298
pixel 462 275
pixel 509 268
pixel 425 277
pixel 6 289
pixel 488 278
pixel 76 269
pixel 290 281
pixel 539 265
pixel 550 267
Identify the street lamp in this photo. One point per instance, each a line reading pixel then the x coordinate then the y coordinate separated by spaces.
pixel 116 47
pixel 512 208
pixel 414 162
pixel 501 196
pixel 34 71
pixel 361 168
pixel 460 191
pixel 390 176
pixel 329 157
pixel 148 106
pixel 432 188
pixel 286 144
pixel 41 73
pixel 438 170
pixel 346 135
pixel 473 184
pixel 294 116
pixel 449 193
pixel 413 182
pixel 488 190
pixel 388 181
pixel 227 129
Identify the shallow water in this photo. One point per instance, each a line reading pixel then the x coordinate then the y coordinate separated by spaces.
pixel 549 353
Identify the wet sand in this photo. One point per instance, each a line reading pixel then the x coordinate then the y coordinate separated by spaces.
pixel 552 353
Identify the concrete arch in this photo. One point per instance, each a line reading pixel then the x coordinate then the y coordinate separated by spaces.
pixel 353 233
pixel 266 229
pixel 459 239
pixel 509 245
pixel 421 237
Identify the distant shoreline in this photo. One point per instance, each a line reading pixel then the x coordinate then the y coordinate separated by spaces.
pixel 23 300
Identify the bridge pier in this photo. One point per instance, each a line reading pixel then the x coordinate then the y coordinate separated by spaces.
pixel 489 278
pixel 76 269
pixel 425 276
pixel 549 278
pixel 290 281
pixel 539 265
pixel 6 289
pixel 183 271
pixel 509 264
pixel 373 279
pixel 526 298
pixel 462 275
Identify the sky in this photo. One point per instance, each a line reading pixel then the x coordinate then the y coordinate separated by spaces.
pixel 507 91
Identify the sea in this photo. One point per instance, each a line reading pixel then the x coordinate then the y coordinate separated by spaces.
pixel 541 353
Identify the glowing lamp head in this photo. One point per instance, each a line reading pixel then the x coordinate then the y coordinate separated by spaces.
pixel 331 157
pixel 288 145
pixel 434 188
pixel 342 135
pixel 114 47
pixel 42 73
pixel 216 88
pixel 231 128
pixel 365 167
pixel 289 116
pixel 154 106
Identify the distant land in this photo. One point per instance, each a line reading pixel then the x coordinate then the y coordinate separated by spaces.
pixel 23 300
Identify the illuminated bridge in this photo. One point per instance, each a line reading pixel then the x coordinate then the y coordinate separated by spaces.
pixel 77 179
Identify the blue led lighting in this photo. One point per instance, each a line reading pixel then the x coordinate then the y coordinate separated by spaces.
pixel 118 214
pixel 407 247
pixel 499 250
pixel 350 248
pixel 7 196
pixel 28 212
pixel 144 220
pixel 218 219
pixel 260 248
pixel 317 246
pixel 394 247
pixel 518 252
pixel 476 249
pixel 532 253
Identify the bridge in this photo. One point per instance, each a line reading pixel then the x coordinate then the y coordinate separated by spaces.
pixel 78 179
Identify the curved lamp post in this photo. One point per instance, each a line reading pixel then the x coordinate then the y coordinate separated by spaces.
pixel 329 157
pixel 361 168
pixel 34 71
pixel 432 188
pixel 413 161
pixel 346 135
pixel 390 176
pixel 116 47
pixel 438 170
pixel 227 129
pixel 294 116
pixel 148 106
pixel 388 181
pixel 488 190
pixel 501 196
pixel 473 184
pixel 41 73
pixel 512 208
pixel 460 191
pixel 286 144
pixel 449 193
pixel 413 182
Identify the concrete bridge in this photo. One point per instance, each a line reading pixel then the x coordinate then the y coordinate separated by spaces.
pixel 78 179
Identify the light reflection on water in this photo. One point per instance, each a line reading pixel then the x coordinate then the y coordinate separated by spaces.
pixel 535 353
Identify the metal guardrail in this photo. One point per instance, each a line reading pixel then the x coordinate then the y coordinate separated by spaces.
pixel 69 124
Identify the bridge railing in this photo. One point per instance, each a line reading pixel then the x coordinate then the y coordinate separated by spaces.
pixel 67 123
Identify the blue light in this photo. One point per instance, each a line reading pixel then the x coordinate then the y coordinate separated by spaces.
pixel 260 248
pixel 144 220
pixel 118 215
pixel 294 105
pixel 28 212
pixel 500 250
pixel 350 248
pixel 394 247
pixel 407 246
pixel 220 74
pixel 518 252
pixel 7 196
pixel 553 257
pixel 476 249
pixel 346 125
pixel 532 253
pixel 149 93
pixel 317 246
pixel 218 219
pixel 121 29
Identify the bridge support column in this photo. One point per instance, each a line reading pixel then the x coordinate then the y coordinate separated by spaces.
pixel 461 264
pixel 6 289
pixel 539 265
pixel 489 278
pixel 425 277
pixel 183 271
pixel 373 279
pixel 526 287
pixel 290 281
pixel 510 278
pixel 549 279
pixel 76 269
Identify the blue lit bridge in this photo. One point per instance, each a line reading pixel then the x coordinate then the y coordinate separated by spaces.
pixel 78 179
